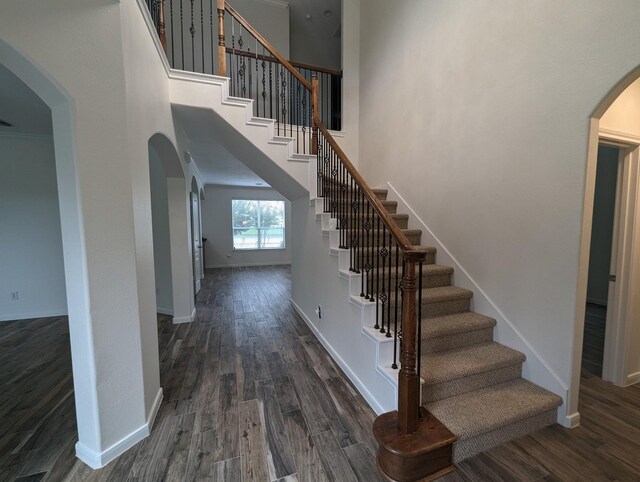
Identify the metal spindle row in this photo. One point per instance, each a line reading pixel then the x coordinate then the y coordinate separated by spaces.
pixel 373 251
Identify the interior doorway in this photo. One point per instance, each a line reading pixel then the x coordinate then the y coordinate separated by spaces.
pixel 196 240
pixel 601 262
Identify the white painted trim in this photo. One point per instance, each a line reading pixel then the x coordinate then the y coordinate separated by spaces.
pixel 154 409
pixel 185 319
pixel 619 136
pixel 553 382
pixel 632 379
pixel 97 460
pixel 247 265
pixel 373 403
pixel 164 311
pixel 571 421
pixel 33 314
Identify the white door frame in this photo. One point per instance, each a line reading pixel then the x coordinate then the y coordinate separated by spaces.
pixel 618 326
pixel 196 239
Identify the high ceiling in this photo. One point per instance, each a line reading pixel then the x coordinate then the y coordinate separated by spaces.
pixel 21 107
pixel 319 26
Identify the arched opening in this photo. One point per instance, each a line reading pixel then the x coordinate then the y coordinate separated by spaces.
pixel 46 375
pixel 174 295
pixel 607 334
pixel 34 328
pixel 196 235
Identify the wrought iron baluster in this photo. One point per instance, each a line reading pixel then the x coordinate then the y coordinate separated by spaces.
pixel 419 337
pixel 173 56
pixel 367 226
pixel 271 91
pixel 192 31
pixel 382 293
pixel 364 244
pixel 257 89
pixel 202 32
pixel 395 319
pixel 233 73
pixel 388 290
pixel 242 67
pixel 304 120
pixel 182 34
pixel 264 85
pixel 283 97
pixel 211 34
pixel 249 70
pixel 298 93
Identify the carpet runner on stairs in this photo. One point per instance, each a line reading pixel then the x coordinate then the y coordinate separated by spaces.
pixel 471 383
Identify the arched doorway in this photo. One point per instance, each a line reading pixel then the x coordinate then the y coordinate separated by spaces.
pixel 174 291
pixel 613 154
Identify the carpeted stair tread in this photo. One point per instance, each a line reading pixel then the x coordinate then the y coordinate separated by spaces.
pixel 481 411
pixel 448 325
pixel 445 293
pixel 470 360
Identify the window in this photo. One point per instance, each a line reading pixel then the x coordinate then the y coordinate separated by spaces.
pixel 258 224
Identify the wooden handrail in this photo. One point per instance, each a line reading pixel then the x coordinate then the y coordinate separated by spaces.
pixel 267 45
pixel 300 65
pixel 404 243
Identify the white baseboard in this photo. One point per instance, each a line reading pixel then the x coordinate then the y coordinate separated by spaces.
pixel 97 460
pixel 632 379
pixel 570 421
pixel 164 311
pixel 185 319
pixel 248 265
pixel 373 403
pixel 33 314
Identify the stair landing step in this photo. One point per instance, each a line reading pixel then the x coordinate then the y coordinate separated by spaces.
pixel 448 325
pixel 470 360
pixel 481 411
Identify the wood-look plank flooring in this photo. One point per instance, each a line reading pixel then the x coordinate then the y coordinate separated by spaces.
pixel 250 394
pixel 593 346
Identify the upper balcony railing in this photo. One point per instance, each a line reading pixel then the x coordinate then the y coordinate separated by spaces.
pixel 188 30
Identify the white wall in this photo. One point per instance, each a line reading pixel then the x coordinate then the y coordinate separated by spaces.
pixel 216 227
pixel 602 227
pixel 30 236
pixel 161 234
pixel 481 122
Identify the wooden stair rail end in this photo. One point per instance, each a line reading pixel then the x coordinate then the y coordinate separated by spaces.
pixel 222 58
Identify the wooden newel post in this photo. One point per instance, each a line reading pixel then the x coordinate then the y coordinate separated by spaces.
pixel 314 102
pixel 222 54
pixel 162 32
pixel 408 378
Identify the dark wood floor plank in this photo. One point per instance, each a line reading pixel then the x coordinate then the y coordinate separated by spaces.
pixel 285 392
pixel 279 456
pixel 332 458
pixel 253 454
pixel 226 471
pixel 306 456
pixel 227 428
pixel 362 463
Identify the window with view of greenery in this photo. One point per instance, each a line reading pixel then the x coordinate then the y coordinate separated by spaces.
pixel 258 224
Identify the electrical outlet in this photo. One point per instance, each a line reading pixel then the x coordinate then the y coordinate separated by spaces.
pixel 319 312
pixel 14 296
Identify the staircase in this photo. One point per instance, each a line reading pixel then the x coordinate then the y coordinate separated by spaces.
pixel 458 391
pixel 472 384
